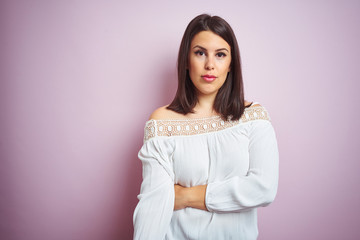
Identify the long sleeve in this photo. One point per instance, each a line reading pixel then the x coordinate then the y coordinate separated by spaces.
pixel 154 210
pixel 259 186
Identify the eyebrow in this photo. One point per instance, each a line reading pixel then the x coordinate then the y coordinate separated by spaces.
pixel 217 50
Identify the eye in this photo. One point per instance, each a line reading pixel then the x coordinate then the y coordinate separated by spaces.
pixel 220 54
pixel 199 53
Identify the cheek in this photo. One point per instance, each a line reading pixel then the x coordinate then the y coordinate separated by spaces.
pixel 194 67
pixel 194 63
pixel 226 68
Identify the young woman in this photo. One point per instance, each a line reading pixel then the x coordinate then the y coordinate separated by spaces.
pixel 210 158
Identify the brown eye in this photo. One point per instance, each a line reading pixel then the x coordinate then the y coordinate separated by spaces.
pixel 221 54
pixel 199 53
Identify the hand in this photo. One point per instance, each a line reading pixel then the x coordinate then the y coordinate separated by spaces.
pixel 190 197
pixel 180 197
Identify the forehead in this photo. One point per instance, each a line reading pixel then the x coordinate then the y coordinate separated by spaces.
pixel 209 40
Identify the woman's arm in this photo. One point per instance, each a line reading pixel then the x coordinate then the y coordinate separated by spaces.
pixel 190 197
pixel 257 188
pixel 154 210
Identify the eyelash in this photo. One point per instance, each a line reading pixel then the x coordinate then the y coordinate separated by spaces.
pixel 200 53
pixel 219 54
pixel 222 54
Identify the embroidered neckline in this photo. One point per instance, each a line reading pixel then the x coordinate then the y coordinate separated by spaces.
pixel 185 119
pixel 195 126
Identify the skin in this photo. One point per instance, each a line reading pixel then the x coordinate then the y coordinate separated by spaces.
pixel 208 54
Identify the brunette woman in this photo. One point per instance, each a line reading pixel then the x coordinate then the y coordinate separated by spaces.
pixel 210 158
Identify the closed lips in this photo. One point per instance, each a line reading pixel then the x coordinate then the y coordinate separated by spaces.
pixel 208 78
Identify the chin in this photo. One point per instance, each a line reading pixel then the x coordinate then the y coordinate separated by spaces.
pixel 208 91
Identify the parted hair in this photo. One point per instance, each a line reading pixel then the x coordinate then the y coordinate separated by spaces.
pixel 229 101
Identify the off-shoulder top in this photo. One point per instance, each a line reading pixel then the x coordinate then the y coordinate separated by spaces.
pixel 238 160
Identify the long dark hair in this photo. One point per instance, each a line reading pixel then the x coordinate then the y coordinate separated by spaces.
pixel 229 101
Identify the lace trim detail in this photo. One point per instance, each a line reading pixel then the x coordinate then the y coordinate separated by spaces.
pixel 185 127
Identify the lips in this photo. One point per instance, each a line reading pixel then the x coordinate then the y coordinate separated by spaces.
pixel 208 78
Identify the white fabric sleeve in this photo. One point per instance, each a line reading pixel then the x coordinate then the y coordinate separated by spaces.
pixel 154 210
pixel 259 186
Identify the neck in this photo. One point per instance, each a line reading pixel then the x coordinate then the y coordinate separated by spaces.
pixel 205 105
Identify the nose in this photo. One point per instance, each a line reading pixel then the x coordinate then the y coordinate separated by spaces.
pixel 209 65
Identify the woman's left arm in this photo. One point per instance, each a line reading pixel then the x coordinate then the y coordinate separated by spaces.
pixel 257 188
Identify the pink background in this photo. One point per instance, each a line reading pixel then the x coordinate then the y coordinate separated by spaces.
pixel 80 78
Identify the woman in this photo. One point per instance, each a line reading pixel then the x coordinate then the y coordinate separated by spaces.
pixel 209 158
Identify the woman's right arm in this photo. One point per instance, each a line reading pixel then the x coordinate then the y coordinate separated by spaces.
pixel 154 210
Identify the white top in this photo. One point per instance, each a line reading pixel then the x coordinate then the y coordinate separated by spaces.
pixel 238 160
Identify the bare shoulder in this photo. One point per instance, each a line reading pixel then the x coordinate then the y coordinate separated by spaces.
pixel 164 113
pixel 247 104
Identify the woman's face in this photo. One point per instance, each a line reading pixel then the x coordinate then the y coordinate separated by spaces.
pixel 209 62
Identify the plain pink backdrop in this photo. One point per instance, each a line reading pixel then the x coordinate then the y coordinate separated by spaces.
pixel 80 78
